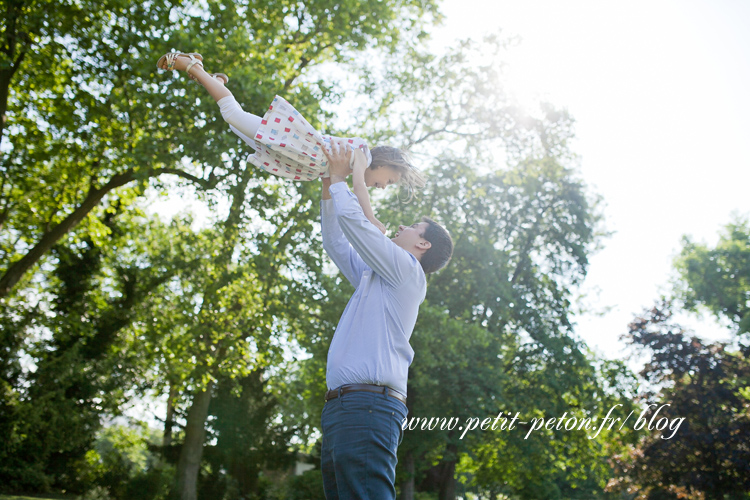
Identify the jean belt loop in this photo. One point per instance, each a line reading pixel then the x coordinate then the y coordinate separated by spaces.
pixel 385 392
pixel 340 389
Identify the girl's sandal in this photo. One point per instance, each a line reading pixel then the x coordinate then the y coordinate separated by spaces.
pixel 219 76
pixel 168 60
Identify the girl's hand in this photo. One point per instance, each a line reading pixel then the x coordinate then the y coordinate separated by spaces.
pixel 378 224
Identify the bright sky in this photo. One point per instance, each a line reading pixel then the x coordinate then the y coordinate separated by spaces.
pixel 660 91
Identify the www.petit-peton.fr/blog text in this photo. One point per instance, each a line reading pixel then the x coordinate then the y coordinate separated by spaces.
pixel 507 421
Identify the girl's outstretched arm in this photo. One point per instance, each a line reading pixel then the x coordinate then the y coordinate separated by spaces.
pixel 359 188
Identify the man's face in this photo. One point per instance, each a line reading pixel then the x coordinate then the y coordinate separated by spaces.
pixel 381 177
pixel 407 237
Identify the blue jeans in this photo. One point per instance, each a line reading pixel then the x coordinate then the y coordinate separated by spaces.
pixel 361 432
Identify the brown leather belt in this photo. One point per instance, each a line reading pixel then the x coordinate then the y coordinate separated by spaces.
pixel 345 389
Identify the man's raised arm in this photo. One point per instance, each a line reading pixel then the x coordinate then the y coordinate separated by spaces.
pixel 334 242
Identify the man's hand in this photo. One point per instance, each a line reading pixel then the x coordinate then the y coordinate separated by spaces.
pixel 338 161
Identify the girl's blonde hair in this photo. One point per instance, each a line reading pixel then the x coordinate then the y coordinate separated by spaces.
pixel 387 156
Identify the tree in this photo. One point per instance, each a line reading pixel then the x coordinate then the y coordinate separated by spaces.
pixel 521 240
pixel 704 450
pixel 705 384
pixel 523 225
pixel 75 130
pixel 86 356
pixel 94 121
pixel 247 439
pixel 81 129
pixel 718 278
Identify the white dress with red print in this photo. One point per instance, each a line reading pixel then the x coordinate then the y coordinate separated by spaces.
pixel 288 146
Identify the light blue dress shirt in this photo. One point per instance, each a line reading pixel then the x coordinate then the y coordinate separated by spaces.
pixel 371 343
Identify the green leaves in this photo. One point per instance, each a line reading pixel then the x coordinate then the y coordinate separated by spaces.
pixel 703 384
pixel 718 278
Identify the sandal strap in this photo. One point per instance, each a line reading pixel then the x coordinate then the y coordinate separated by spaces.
pixel 220 76
pixel 193 61
pixel 170 59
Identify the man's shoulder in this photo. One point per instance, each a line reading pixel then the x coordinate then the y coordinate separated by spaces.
pixel 413 274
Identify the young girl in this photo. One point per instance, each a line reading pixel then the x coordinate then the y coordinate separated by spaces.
pixel 287 145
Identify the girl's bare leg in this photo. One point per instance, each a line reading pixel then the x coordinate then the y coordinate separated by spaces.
pixel 242 123
pixel 214 86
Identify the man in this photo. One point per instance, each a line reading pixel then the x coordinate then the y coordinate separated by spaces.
pixel 369 357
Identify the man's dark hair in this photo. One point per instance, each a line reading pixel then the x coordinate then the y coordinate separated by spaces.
pixel 441 247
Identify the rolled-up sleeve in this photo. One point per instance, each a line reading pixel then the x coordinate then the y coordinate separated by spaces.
pixel 384 257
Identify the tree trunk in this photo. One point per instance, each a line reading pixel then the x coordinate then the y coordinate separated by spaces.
pixel 407 487
pixel 169 421
pixel 448 475
pixel 5 78
pixel 13 53
pixel 192 449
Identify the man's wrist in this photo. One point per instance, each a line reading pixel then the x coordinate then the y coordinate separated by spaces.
pixel 337 178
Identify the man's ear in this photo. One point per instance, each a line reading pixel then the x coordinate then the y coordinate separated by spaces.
pixel 424 245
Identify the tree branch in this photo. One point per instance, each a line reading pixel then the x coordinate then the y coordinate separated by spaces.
pixel 209 183
pixel 15 272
